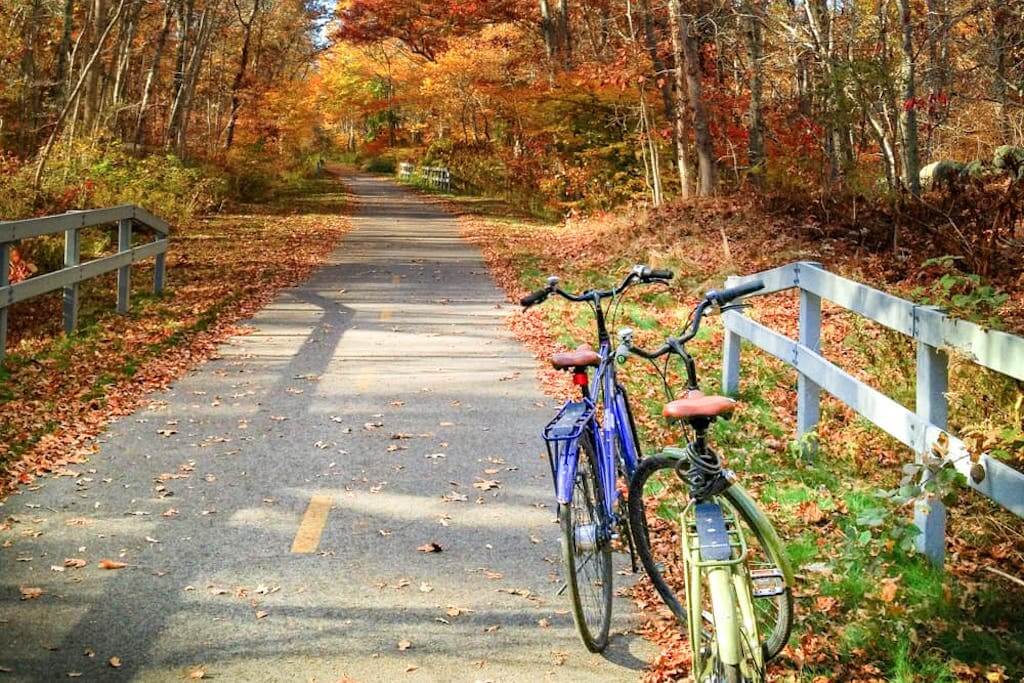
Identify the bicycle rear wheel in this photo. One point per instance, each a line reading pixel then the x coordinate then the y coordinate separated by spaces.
pixel 586 558
pixel 656 480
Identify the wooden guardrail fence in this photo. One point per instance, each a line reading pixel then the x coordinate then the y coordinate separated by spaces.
pixel 74 271
pixel 924 429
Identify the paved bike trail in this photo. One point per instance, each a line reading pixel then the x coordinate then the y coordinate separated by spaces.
pixel 274 507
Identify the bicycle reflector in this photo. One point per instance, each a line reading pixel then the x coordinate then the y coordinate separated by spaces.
pixel 579 379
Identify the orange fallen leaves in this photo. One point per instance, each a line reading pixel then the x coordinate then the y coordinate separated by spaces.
pixel 30 592
pixel 111 564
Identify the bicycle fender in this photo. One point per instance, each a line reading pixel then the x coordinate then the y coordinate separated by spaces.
pixel 565 472
pixel 739 497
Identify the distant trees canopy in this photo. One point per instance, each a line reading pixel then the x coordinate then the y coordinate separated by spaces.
pixel 424 26
pixel 586 103
pixel 180 75
pixel 603 98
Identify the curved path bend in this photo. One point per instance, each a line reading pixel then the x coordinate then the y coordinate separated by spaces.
pixel 274 506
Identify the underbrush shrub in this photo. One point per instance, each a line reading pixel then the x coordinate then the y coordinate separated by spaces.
pixel 384 163
pixel 91 174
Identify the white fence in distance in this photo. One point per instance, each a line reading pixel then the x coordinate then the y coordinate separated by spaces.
pixel 438 177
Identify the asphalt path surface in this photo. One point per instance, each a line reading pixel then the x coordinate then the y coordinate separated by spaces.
pixel 274 507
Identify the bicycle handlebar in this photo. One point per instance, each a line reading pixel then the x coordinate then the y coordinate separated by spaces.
pixel 639 273
pixel 676 344
pixel 534 298
pixel 730 293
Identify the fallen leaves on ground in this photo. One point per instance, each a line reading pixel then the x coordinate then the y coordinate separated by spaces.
pixel 431 547
pixel 30 592
pixel 215 279
pixel 112 564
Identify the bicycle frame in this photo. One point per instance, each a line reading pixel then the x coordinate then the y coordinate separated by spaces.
pixel 614 425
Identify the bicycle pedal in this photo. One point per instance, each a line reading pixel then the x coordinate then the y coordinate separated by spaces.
pixel 766 583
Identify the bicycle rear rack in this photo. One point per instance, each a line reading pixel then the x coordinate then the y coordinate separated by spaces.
pixel 562 432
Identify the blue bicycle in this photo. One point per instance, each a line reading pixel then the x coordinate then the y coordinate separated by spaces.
pixel 591 443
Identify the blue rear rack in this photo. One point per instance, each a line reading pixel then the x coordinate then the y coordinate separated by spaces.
pixel 569 423
pixel 561 433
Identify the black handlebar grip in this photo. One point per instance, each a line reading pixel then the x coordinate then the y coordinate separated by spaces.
pixel 726 295
pixel 657 274
pixel 534 298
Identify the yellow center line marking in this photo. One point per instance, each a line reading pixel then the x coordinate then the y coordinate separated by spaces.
pixel 385 314
pixel 396 279
pixel 307 538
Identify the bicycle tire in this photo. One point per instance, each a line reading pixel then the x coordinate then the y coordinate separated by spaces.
pixel 587 487
pixel 773 639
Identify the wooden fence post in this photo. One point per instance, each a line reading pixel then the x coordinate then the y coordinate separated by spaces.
pixel 159 273
pixel 932 405
pixel 72 255
pixel 124 273
pixel 730 352
pixel 5 264
pixel 808 394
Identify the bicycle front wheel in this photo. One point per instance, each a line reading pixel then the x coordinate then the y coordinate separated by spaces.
pixel 657 498
pixel 586 558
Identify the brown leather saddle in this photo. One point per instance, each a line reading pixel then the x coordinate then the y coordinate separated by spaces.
pixel 582 356
pixel 695 404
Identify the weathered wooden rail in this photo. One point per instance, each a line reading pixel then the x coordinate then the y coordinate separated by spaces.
pixel 74 271
pixel 437 176
pixel 924 429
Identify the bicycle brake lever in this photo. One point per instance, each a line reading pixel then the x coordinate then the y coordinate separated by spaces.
pixel 732 307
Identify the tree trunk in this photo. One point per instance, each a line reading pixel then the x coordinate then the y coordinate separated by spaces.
pixel 183 30
pixel 31 100
pixel 565 33
pixel 651 43
pixel 819 21
pixel 126 39
pixel 243 65
pixel 652 162
pixel 702 137
pixel 755 49
pixel 73 98
pixel 681 120
pixel 64 47
pixel 547 27
pixel 177 133
pixel 908 94
pixel 93 85
pixel 154 71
